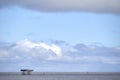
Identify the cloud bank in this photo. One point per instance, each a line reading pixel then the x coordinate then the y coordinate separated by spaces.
pixel 58 54
pixel 96 6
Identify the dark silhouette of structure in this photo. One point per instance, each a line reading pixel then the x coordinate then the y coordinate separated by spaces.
pixel 26 71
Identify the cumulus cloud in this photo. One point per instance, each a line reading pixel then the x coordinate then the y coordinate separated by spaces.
pixel 26 49
pixel 58 55
pixel 97 6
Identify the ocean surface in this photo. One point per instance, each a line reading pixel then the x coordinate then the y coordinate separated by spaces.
pixel 61 76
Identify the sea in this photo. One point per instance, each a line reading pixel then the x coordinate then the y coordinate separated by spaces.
pixel 61 76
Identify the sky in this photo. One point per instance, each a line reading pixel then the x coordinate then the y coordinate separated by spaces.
pixel 57 35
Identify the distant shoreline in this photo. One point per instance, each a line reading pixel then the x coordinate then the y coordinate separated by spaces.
pixel 87 73
pixel 61 76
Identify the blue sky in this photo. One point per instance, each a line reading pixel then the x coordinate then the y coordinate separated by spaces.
pixel 74 27
pixel 60 35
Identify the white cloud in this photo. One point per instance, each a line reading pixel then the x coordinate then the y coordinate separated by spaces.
pixel 26 49
pixel 40 54
pixel 32 45
pixel 97 6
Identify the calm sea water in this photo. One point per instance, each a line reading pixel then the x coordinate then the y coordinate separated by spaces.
pixel 60 76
